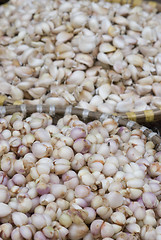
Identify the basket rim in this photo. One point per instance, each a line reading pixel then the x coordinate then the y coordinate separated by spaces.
pixel 83 114
pixel 146 116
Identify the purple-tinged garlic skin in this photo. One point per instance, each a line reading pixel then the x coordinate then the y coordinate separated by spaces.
pixel 39 235
pixel 77 133
pixel 99 189
pixel 150 200
pixel 81 145
pixel 19 218
pixel 95 227
pixel 5 210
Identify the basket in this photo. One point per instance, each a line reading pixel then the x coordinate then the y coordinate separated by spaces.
pixel 139 116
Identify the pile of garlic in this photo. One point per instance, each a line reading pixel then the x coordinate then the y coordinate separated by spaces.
pixel 97 56
pixel 77 181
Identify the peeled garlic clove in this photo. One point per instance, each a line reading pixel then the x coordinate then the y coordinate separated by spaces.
pixel 143 74
pixel 95 227
pixel 143 89
pixel 156 101
pixel 35 62
pixel 117 89
pixel 127 50
pixel 126 74
pixel 148 33
pixel 135 26
pixel 33 102
pixel 150 200
pixel 115 199
pixel 5 88
pixel 158 68
pixel 149 67
pixel 60 75
pixel 99 9
pixel 7 54
pixel 124 106
pixel 93 71
pixel 16 93
pixel 26 232
pixel 37 92
pixel 114 97
pixel 69 63
pixel 5 210
pixel 148 232
pixel 24 85
pixel 129 40
pixel 85 96
pixel 43 27
pixel 141 41
pixel 133 71
pixel 140 105
pixel 96 100
pixel 76 78
pixel 107 230
pixel 78 19
pixel 87 44
pixel 61 48
pixel 84 59
pixel 93 24
pixel 24 72
pixel 106 108
pixel 114 77
pixel 104 91
pixel 77 231
pixel 113 31
pixel 133 34
pixel 133 228
pixel 88 84
pixel 106 38
pixel 156 78
pixel 65 7
pixel 85 105
pixel 145 81
pixel 147 99
pixel 26 53
pixel 148 51
pixel 102 57
pixel 118 218
pixel 157 89
pixel 119 68
pixel 135 60
pixel 57 101
pixel 53 70
pixel 44 81
pixel 106 48
pixel 19 218
pixel 118 42
pixel 49 47
pixel 63 37
pixel 117 56
pixel 111 102
pixel 65 55
pixel 121 20
pixel 69 97
pixel 158 58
